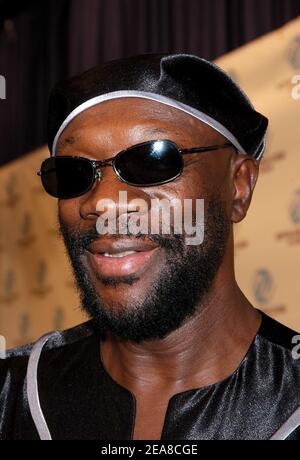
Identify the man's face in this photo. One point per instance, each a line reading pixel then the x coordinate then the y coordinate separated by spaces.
pixel 150 292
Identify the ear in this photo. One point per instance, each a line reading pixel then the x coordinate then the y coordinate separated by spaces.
pixel 244 176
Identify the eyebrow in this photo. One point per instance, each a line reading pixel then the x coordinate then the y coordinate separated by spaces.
pixel 68 141
pixel 159 130
pixel 152 131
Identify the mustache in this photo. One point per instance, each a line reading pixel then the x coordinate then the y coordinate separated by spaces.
pixel 82 239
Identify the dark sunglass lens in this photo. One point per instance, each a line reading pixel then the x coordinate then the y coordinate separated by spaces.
pixel 149 163
pixel 66 177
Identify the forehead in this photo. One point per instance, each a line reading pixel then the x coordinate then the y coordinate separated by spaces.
pixel 128 115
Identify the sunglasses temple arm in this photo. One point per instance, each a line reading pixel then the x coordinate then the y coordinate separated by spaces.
pixel 206 149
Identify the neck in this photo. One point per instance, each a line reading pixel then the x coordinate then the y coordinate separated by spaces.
pixel 207 348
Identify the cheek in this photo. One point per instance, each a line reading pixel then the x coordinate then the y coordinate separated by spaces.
pixel 206 180
pixel 68 211
pixel 190 185
pixel 195 184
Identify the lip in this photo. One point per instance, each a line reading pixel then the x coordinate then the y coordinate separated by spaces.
pixel 120 266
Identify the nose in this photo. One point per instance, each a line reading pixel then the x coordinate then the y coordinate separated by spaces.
pixel 112 196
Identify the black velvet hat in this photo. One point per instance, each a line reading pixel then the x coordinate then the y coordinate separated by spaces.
pixel 186 82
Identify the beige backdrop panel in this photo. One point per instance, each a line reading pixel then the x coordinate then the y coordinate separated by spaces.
pixel 268 240
pixel 37 293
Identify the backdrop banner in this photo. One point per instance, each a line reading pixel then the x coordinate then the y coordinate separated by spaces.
pixel 37 291
pixel 267 242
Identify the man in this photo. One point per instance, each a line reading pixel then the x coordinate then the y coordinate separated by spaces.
pixel 173 349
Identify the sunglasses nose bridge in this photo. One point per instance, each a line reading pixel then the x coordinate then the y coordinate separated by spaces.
pixel 98 174
pixel 97 165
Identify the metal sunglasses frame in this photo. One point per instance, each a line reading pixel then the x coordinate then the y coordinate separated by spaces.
pixel 96 164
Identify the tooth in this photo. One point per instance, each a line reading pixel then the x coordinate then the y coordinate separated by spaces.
pixel 120 254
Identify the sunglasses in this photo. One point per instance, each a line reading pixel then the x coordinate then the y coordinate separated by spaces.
pixel 149 163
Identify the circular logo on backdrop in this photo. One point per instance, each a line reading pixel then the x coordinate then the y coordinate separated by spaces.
pixel 263 285
pixel 294 208
pixel 294 53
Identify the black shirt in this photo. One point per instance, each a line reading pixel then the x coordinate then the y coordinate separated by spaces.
pixel 80 400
